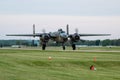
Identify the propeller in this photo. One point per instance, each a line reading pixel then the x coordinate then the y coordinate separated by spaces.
pixel 76 30
pixel 43 30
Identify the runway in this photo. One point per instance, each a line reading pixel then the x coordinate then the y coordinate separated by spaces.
pixel 59 49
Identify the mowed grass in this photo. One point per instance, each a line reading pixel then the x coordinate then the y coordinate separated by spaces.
pixel 26 64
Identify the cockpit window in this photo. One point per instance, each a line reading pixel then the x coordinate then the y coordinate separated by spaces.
pixel 62 31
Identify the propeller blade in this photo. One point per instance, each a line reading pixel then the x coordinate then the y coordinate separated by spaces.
pixel 43 30
pixel 76 30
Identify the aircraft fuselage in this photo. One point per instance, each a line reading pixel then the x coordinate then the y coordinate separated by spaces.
pixel 59 36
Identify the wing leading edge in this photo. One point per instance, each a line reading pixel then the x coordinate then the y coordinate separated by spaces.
pixel 30 35
pixel 94 34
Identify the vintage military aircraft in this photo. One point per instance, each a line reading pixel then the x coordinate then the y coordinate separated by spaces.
pixel 59 36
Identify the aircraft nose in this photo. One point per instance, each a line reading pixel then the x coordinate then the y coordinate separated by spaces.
pixel 64 35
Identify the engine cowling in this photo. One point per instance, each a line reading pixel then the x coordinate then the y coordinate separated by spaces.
pixel 75 37
pixel 45 38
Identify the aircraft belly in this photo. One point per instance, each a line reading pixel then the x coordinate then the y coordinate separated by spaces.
pixel 59 39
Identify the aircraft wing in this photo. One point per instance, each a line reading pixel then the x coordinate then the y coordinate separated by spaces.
pixel 94 34
pixel 30 35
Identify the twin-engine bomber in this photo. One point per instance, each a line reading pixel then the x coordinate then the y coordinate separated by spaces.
pixel 59 36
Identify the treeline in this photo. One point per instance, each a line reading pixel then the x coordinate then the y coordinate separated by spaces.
pixel 107 42
pixel 18 42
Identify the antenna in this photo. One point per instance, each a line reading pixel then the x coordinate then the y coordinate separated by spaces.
pixel 67 28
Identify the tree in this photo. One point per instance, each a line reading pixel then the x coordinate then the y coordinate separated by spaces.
pixel 97 42
pixel 118 42
pixel 106 42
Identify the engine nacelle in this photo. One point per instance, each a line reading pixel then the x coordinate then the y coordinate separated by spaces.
pixel 45 38
pixel 75 37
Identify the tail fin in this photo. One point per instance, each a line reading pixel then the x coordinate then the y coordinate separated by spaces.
pixel 67 28
pixel 33 29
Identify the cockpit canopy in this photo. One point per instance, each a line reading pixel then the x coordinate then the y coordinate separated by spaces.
pixel 61 31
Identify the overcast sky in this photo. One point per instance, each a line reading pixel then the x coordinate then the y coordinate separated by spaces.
pixel 89 16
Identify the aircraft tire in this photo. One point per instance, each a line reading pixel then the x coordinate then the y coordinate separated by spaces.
pixel 73 46
pixel 43 46
pixel 63 47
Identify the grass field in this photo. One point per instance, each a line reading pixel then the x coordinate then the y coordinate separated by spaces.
pixel 33 64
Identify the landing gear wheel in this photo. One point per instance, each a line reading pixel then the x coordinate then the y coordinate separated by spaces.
pixel 73 46
pixel 43 46
pixel 63 47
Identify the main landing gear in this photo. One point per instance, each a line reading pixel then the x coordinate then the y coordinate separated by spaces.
pixel 43 46
pixel 63 45
pixel 73 46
